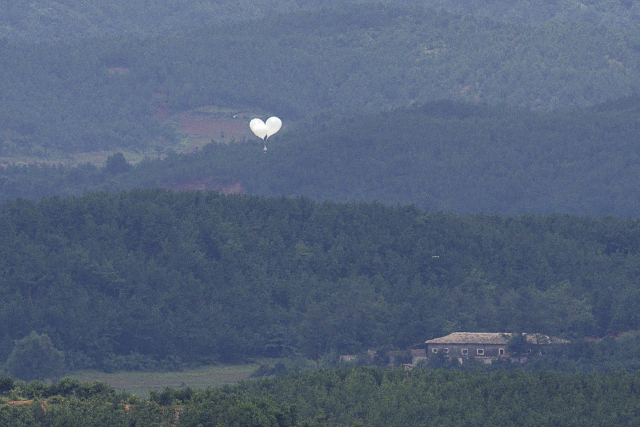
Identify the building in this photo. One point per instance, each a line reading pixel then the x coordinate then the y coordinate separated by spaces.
pixel 486 346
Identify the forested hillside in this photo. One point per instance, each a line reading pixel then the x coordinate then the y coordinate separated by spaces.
pixel 197 277
pixel 441 156
pixel 105 94
pixel 612 13
pixel 51 20
pixel 420 118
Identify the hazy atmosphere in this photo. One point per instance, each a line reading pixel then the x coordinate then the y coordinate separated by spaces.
pixel 316 213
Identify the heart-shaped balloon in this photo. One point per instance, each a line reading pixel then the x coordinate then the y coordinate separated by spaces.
pixel 265 130
pixel 259 128
pixel 273 125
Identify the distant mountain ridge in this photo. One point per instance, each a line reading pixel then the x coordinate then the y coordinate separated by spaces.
pixel 104 94
pixel 51 20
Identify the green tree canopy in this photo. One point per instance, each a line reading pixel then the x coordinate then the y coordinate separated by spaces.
pixel 35 358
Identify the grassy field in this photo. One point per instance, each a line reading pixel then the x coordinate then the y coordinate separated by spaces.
pixel 141 382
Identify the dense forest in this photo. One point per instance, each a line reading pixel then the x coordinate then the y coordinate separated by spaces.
pixel 379 397
pixel 345 397
pixel 445 165
pixel 448 156
pixel 170 278
pixel 97 94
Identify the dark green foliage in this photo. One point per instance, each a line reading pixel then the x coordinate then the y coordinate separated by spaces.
pixel 169 396
pixel 35 358
pixel 117 164
pixel 460 158
pixel 179 408
pixel 6 384
pixel 518 345
pixel 398 398
pixel 445 155
pixel 66 387
pixel 358 396
pixel 217 409
pixel 153 279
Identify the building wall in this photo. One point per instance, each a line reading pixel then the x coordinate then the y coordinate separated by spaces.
pixel 469 350
pixel 417 355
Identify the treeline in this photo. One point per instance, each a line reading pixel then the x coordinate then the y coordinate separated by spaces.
pixel 346 397
pixel 125 279
pixel 379 397
pixel 102 94
pixel 73 404
pixel 448 156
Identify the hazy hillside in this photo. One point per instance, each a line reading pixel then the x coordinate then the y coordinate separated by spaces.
pixel 442 156
pixel 612 13
pixel 50 20
pixel 106 94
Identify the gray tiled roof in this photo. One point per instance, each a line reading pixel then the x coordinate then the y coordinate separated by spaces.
pixel 492 338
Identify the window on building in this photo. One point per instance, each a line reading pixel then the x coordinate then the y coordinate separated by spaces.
pixel 434 350
pixel 480 352
pixel 501 352
pixel 465 351
pixel 446 350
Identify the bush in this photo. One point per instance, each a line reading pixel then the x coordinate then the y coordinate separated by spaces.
pixel 35 358
pixel 6 385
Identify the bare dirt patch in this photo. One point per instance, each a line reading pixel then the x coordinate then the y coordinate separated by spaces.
pixel 19 402
pixel 205 124
pixel 207 184
pixel 118 70
pixel 162 109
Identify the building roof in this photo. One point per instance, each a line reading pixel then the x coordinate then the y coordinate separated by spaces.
pixel 492 338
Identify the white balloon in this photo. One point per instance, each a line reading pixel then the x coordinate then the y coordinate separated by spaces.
pixel 259 128
pixel 273 125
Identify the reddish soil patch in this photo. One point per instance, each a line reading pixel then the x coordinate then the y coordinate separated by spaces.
pixel 43 405
pixel 19 402
pixel 162 112
pixel 206 184
pixel 198 127
pixel 118 70
pixel 93 157
pixel 161 101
